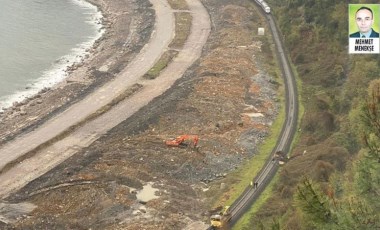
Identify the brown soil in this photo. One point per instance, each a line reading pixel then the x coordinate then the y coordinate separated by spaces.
pixel 96 188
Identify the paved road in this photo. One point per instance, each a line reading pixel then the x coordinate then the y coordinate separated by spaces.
pixel 284 141
pixel 47 158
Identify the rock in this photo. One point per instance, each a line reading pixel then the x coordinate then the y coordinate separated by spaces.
pixel 136 213
pixel 142 209
pixel 142 202
pixel 44 90
pixel 222 186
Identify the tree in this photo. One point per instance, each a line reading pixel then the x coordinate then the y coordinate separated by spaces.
pixel 371 121
pixel 314 203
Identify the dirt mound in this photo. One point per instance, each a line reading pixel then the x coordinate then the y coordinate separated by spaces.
pixel 224 98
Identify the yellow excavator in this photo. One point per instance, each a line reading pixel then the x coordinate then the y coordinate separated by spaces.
pixel 218 221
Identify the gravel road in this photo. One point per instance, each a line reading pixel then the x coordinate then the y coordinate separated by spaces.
pixel 18 174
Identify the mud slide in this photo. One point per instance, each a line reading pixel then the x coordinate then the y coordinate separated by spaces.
pixel 28 157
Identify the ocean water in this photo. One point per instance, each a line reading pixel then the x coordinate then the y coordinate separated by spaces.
pixel 39 39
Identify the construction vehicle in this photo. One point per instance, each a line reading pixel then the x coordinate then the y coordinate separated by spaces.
pixel 183 141
pixel 281 157
pixel 218 221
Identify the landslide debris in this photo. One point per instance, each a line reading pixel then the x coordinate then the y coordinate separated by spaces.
pixel 226 98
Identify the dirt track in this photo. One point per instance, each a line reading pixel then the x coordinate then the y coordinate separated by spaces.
pixel 223 98
pixel 46 158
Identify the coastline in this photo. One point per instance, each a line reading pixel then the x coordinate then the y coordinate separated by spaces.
pixel 122 161
pixel 59 68
pixel 103 60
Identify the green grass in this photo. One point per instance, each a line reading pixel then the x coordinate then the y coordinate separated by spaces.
pixel 241 178
pixel 182 30
pixel 161 64
pixel 178 4
pixel 122 96
pixel 183 22
pixel 238 180
pixel 244 221
pixel 254 165
pixel 301 108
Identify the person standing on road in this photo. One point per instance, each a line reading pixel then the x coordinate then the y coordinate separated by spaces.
pixel 255 185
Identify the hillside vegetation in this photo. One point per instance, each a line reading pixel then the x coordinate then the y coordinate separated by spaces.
pixel 332 178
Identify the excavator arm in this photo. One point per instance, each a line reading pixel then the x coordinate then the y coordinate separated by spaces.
pixel 181 141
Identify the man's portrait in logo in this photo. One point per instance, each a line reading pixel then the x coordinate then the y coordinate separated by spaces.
pixel 364 20
pixel 364 27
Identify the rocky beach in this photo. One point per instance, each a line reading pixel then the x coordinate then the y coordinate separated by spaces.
pixel 127 28
pixel 229 97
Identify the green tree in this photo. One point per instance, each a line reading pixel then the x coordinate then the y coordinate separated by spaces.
pixel 355 213
pixel 371 121
pixel 314 203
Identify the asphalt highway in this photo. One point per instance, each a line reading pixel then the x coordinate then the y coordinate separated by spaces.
pixel 252 192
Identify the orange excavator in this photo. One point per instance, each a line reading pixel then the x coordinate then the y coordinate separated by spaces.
pixel 182 141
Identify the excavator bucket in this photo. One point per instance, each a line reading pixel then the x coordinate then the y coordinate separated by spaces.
pixel 183 141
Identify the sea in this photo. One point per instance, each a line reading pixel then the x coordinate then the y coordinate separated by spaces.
pixel 39 39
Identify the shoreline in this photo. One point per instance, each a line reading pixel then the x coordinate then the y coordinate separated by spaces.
pixel 210 100
pixel 102 62
pixel 60 68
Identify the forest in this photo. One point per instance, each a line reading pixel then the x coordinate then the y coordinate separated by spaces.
pixel 332 180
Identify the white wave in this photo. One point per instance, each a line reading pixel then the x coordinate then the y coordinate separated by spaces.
pixel 57 72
